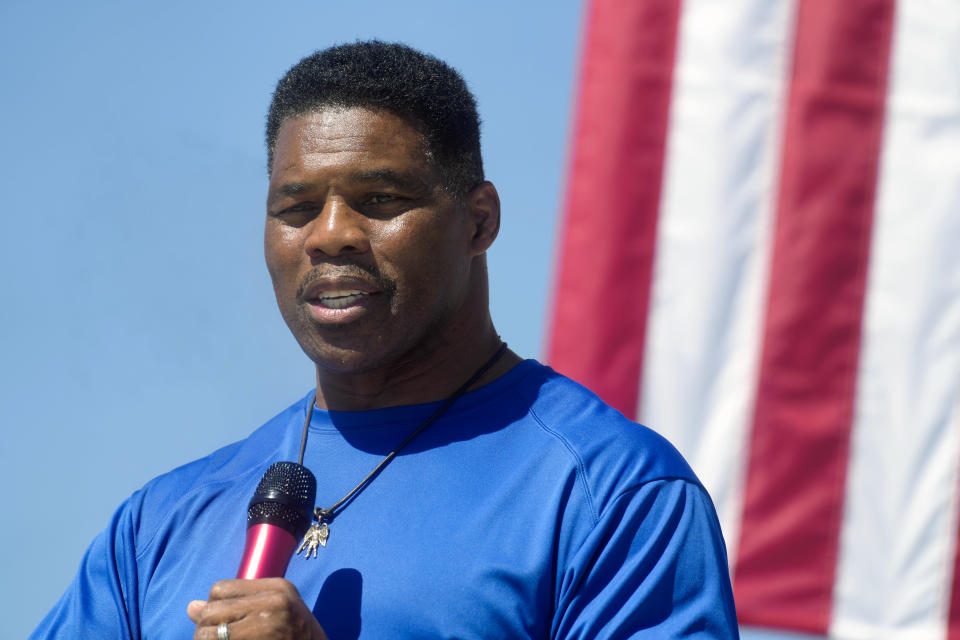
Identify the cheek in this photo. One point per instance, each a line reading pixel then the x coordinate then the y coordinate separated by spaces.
pixel 430 271
pixel 279 251
pixel 407 252
pixel 425 236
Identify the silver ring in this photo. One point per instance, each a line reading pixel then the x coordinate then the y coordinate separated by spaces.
pixel 222 632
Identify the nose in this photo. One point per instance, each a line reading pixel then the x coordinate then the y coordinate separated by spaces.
pixel 337 229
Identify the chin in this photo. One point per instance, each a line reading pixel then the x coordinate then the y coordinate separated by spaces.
pixel 355 350
pixel 344 358
pixel 334 349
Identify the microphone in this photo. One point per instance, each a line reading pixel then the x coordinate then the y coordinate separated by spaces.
pixel 277 517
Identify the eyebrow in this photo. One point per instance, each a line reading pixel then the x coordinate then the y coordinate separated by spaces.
pixel 293 188
pixel 401 179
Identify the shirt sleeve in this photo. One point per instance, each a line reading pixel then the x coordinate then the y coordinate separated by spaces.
pixel 654 566
pixel 101 602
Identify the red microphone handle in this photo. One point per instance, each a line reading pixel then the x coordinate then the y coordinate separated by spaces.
pixel 267 552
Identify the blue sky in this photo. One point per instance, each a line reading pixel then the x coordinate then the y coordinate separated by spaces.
pixel 139 327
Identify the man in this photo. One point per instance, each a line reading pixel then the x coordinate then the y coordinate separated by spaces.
pixel 521 507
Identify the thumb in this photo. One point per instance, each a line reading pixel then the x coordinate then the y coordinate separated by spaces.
pixel 195 608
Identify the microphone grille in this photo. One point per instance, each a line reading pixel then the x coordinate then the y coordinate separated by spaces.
pixel 278 514
pixel 284 497
pixel 289 479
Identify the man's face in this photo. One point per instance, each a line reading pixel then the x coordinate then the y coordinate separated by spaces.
pixel 370 256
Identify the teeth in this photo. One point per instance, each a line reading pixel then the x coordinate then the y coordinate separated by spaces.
pixel 339 299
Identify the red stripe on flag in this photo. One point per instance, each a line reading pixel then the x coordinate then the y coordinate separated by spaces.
pixel 793 501
pixel 953 618
pixel 606 256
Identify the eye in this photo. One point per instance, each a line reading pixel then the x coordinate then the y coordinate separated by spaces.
pixel 381 198
pixel 296 215
pixel 384 205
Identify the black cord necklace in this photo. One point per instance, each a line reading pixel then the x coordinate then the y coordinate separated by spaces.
pixel 319 531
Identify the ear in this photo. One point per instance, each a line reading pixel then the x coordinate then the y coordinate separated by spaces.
pixel 483 206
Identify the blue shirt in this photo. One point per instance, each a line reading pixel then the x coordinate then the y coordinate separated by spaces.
pixel 530 509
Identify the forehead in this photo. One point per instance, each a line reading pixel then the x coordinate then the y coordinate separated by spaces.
pixel 333 136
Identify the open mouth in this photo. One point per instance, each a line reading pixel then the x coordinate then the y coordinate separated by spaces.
pixel 340 299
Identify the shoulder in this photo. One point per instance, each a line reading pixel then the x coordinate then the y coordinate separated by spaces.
pixel 613 453
pixel 229 466
pixel 650 559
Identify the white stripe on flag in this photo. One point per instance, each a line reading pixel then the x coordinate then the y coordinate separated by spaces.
pixel 711 256
pixel 896 552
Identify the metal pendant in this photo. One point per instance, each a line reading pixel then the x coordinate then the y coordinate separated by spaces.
pixel 316 536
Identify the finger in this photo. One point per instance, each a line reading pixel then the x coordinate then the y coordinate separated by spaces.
pixel 227 589
pixel 195 608
pixel 208 632
pixel 270 623
pixel 248 629
pixel 232 610
pixel 267 613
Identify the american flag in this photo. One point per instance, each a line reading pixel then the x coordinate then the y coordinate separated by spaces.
pixel 760 258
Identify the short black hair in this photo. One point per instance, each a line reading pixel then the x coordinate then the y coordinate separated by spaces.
pixel 417 87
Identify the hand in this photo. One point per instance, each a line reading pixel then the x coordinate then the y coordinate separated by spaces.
pixel 267 609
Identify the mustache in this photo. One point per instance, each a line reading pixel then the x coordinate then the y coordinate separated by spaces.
pixel 351 270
